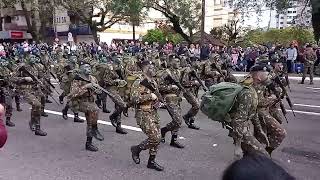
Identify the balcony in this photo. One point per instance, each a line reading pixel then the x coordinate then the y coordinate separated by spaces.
pixel 15 27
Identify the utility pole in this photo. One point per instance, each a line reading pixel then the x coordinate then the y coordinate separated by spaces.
pixel 203 17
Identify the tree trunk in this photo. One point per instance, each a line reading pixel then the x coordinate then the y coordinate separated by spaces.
pixel 177 28
pixel 95 33
pixel 203 16
pixel 134 31
pixel 30 22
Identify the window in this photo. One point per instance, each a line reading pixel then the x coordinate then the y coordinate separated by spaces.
pixel 7 19
pixel 308 22
pixel 294 11
pixel 289 12
pixel 281 22
pixel 281 27
pixel 217 2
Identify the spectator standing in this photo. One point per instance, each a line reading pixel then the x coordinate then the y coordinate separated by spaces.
pixel 3 131
pixel 204 52
pixel 291 57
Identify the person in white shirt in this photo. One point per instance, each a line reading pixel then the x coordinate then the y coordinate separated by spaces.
pixel 292 54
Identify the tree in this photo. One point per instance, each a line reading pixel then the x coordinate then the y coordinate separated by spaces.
pixel 162 36
pixel 183 14
pixel 101 14
pixel 37 17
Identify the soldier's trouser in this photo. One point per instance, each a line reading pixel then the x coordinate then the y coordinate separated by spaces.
pixel 91 112
pixel 251 144
pixel 43 102
pixel 209 82
pixel 7 103
pixel 149 122
pixel 274 112
pixel 305 71
pixel 175 113
pixel 194 104
pixel 102 98
pixel 17 98
pixel 35 102
pixel 273 129
pixel 120 105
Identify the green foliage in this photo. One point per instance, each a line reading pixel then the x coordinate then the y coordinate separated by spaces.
pixel 278 36
pixel 158 35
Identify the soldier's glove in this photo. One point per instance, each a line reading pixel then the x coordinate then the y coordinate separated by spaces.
pixel 154 97
pixel 28 79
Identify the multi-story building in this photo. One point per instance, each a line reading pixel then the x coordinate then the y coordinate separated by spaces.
pixel 297 15
pixel 218 14
pixel 13 23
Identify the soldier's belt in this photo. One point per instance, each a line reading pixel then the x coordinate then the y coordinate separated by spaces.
pixel 145 107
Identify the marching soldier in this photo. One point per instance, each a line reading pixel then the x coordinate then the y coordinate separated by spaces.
pixel 144 101
pixel 30 88
pixel 82 97
pixel 310 57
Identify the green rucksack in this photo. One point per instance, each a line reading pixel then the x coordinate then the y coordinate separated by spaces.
pixel 218 101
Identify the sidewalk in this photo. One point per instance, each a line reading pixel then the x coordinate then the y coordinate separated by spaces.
pixel 291 76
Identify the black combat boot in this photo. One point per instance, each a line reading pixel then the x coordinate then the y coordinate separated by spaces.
pixel 114 120
pixel 9 123
pixel 164 130
pixel 48 101
pixel 32 125
pixel 39 132
pixel 192 125
pixel 153 165
pixel 18 107
pixel 120 130
pixel 61 99
pixel 311 83
pixel 98 103
pixel 175 143
pixel 135 150
pixel 186 119
pixel 96 133
pixel 302 81
pixel 77 119
pixel 65 113
pixel 90 146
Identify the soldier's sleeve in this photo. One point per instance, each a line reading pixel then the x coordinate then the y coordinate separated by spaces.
pixel 185 81
pixel 208 71
pixel 77 89
pixel 240 114
pixel 108 79
pixel 140 95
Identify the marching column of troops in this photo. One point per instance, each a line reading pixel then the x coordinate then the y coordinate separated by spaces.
pixel 145 81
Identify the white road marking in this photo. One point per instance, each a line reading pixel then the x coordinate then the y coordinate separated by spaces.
pixel 304 112
pixel 99 121
pixel 307 105
pixel 290 77
pixel 313 88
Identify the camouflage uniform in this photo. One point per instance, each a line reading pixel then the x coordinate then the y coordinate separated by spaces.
pixel 270 125
pixel 189 82
pixel 32 93
pixel 310 58
pixel 210 72
pixel 242 113
pixel 7 92
pixel 170 93
pixel 83 100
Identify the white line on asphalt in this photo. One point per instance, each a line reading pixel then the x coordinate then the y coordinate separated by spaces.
pixel 307 105
pixel 290 77
pixel 99 121
pixel 313 88
pixel 304 112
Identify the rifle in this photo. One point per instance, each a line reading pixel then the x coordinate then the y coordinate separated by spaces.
pixel 177 83
pixel 285 93
pixel 39 82
pixel 272 88
pixel 287 80
pixel 194 73
pixel 95 85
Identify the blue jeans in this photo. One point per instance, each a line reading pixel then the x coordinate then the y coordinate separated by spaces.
pixel 290 66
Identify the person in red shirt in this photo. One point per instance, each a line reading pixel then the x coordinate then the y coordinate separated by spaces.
pixel 3 131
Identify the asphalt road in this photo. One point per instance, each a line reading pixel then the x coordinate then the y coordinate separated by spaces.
pixel 62 156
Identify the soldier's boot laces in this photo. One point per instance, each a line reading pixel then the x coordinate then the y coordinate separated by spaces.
pixel 191 125
pixel 96 133
pixel 77 119
pixel 44 114
pixel 39 132
pixel 153 165
pixel 61 99
pixel 120 130
pixel 175 143
pixel 164 130
pixel 9 123
pixel 135 150
pixel 90 146
pixel 270 150
pixel 18 107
